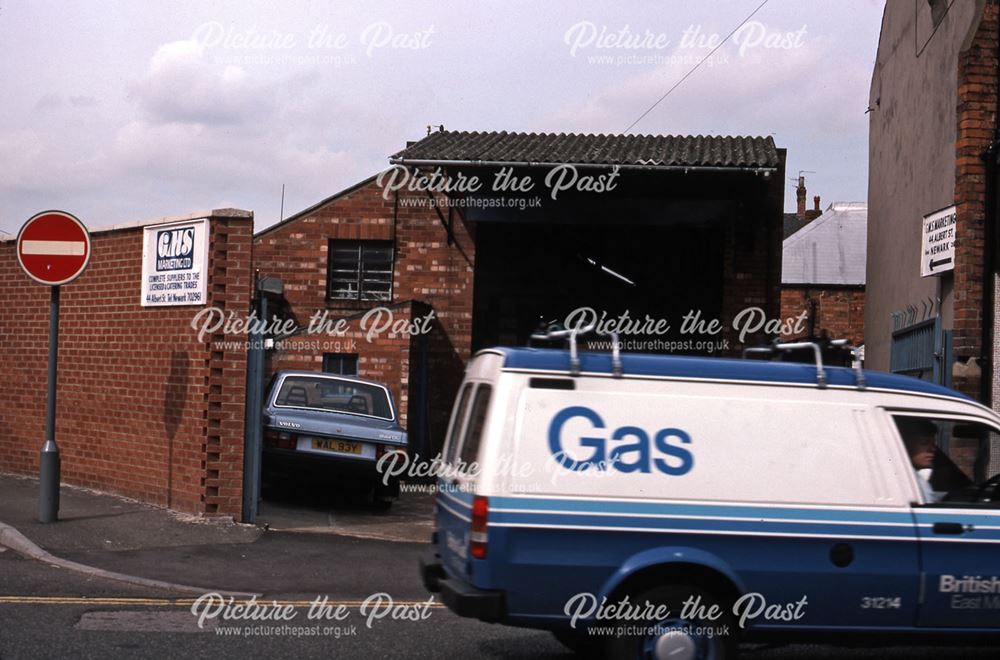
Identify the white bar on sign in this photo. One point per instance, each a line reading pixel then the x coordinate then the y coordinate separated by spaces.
pixel 60 248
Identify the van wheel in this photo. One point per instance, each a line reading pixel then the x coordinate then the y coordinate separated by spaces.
pixel 579 643
pixel 673 637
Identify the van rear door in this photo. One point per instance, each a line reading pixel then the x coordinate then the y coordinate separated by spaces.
pixel 458 541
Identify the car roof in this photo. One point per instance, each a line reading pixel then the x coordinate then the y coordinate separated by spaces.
pixel 712 368
pixel 323 374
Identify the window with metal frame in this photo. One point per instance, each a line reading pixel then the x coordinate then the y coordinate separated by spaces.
pixel 342 364
pixel 359 270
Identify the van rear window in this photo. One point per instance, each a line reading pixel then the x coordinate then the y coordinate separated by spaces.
pixel 456 424
pixel 477 418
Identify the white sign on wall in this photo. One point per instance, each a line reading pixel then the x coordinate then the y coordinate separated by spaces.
pixel 174 264
pixel 938 246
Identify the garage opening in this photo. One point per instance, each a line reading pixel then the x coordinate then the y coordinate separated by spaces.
pixel 527 275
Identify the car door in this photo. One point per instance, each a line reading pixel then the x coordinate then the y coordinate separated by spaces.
pixel 958 524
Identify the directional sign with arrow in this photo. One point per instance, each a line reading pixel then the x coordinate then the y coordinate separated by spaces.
pixel 936 263
pixel 938 245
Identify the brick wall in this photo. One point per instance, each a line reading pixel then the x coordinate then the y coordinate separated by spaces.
pixel 752 262
pixel 429 270
pixel 977 90
pixel 144 409
pixel 840 313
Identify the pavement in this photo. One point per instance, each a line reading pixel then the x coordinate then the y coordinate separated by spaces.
pixel 302 535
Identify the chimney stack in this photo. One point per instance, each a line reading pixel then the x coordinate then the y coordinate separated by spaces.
pixel 800 195
pixel 815 211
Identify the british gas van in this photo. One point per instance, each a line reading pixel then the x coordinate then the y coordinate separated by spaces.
pixel 661 506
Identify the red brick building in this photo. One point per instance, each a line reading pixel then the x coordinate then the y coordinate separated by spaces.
pixel 653 227
pixel 682 223
pixel 424 276
pixel 823 273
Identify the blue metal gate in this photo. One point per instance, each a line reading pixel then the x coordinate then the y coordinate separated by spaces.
pixel 923 350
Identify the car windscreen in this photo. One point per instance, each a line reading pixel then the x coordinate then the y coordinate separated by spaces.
pixel 333 394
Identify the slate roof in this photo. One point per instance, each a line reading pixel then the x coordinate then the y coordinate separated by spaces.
pixel 792 224
pixel 632 150
pixel 831 249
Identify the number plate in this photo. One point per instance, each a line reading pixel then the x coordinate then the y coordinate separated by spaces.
pixel 339 446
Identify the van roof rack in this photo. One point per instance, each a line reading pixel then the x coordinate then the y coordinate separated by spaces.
pixel 817 349
pixel 555 332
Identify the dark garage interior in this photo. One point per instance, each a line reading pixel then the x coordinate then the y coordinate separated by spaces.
pixel 528 274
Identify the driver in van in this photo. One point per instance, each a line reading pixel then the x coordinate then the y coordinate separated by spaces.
pixel 920 440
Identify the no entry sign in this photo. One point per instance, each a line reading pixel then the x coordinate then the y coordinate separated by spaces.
pixel 53 247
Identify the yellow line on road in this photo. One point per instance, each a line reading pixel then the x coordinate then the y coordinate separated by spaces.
pixel 187 602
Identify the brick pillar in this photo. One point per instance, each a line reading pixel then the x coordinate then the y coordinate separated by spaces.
pixel 225 383
pixel 977 99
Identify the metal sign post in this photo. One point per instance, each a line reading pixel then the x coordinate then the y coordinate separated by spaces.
pixel 49 465
pixel 253 431
pixel 53 248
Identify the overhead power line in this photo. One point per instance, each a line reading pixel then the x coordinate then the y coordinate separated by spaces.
pixel 695 67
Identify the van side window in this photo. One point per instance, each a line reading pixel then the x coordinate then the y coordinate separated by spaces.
pixel 955 461
pixel 477 418
pixel 457 417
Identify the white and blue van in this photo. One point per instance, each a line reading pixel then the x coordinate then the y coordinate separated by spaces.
pixel 673 507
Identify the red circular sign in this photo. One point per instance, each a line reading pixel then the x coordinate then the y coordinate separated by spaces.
pixel 53 247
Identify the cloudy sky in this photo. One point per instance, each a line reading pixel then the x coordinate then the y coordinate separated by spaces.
pixel 120 111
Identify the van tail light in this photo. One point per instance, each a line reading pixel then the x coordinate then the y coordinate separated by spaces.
pixel 477 535
pixel 278 439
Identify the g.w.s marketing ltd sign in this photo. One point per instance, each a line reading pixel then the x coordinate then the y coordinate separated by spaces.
pixel 173 263
pixel 175 249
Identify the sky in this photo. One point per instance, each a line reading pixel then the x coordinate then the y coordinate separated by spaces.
pixel 125 111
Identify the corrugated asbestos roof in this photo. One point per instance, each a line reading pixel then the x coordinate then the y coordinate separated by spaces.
pixel 831 249
pixel 632 150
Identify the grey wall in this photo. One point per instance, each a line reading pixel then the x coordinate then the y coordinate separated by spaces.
pixel 911 155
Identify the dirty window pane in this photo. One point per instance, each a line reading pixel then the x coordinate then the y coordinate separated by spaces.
pixel 360 270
